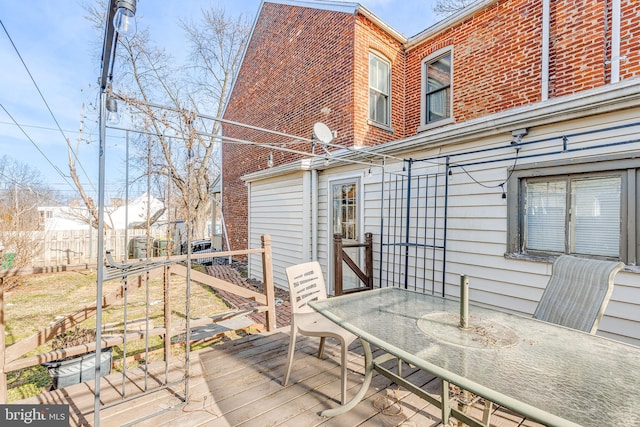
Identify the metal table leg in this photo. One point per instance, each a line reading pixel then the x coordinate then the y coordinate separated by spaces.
pixel 368 374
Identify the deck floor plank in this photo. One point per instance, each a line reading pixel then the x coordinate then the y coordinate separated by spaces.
pixel 239 383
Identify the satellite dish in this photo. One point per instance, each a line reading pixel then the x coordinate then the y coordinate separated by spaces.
pixel 323 133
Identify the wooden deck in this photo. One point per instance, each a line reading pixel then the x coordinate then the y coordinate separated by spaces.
pixel 238 383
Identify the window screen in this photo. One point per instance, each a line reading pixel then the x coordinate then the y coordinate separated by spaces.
pixel 580 215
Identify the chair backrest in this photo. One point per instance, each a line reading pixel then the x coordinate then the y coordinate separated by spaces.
pixel 306 283
pixel 578 292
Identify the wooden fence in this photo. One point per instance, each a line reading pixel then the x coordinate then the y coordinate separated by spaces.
pixel 76 247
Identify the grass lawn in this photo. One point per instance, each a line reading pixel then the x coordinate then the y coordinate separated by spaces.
pixel 44 299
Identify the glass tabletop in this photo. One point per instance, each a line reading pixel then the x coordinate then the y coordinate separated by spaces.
pixel 522 363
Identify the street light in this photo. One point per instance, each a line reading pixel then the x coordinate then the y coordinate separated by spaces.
pixel 124 21
pixel 113 118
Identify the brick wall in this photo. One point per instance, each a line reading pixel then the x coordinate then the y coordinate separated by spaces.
pixel 298 70
pixel 305 65
pixel 630 39
pixel 577 46
pixel 369 38
pixel 495 66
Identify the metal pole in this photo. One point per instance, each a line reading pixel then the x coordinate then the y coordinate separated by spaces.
pixel 446 219
pixel 3 374
pixel 382 233
pixel 107 51
pixel 407 227
pixel 126 199
pixel 189 229
pixel 99 262
pixel 464 302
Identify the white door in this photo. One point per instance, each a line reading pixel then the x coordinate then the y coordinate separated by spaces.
pixel 345 220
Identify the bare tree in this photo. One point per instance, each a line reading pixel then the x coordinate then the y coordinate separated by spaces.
pixel 449 7
pixel 22 191
pixel 92 210
pixel 177 149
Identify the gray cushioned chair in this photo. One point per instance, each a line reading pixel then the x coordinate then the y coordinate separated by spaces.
pixel 578 292
pixel 576 296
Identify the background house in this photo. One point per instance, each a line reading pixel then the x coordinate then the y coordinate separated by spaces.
pixel 118 216
pixel 485 145
pixel 66 236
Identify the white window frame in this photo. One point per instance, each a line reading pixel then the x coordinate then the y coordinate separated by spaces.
pixel 627 169
pixel 386 124
pixel 435 56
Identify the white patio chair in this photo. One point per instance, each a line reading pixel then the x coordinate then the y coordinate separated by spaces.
pixel 578 292
pixel 306 283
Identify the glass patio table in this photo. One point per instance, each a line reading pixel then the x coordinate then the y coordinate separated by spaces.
pixel 552 374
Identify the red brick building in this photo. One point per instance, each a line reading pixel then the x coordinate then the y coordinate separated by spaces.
pixel 495 71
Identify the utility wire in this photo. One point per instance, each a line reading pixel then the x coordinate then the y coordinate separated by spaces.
pixel 28 187
pixel 46 104
pixel 41 127
pixel 80 132
pixel 37 148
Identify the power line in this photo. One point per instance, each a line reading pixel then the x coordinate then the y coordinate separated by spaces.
pixel 81 132
pixel 41 127
pixel 37 148
pixel 46 104
pixel 28 187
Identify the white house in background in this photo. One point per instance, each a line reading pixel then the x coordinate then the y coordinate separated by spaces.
pixel 58 218
pixel 67 218
pixel 135 213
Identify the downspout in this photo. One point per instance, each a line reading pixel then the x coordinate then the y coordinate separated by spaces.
pixel 249 263
pixel 314 214
pixel 615 41
pixel 307 206
pixel 546 32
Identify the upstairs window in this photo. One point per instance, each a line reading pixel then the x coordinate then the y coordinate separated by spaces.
pixel 379 90
pixel 437 88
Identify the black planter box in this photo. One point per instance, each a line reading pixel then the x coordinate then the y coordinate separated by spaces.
pixel 78 369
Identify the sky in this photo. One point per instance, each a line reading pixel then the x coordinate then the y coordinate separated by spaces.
pixel 49 68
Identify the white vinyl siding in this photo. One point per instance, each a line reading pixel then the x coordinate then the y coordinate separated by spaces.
pixel 479 220
pixel 281 208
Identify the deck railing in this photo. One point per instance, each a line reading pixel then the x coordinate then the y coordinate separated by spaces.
pixel 11 358
pixel 365 278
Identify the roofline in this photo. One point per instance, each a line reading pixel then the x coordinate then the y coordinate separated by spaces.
pixel 382 25
pixel 593 102
pixel 602 100
pixel 448 22
pixel 244 53
pixel 336 6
